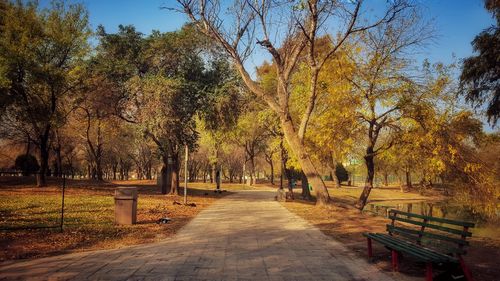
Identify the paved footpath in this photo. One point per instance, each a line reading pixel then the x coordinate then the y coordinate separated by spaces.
pixel 245 236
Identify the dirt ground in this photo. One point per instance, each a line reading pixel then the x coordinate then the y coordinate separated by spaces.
pixel 347 224
pixel 89 221
pixel 89 216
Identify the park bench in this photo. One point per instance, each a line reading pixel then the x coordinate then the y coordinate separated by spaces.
pixel 424 238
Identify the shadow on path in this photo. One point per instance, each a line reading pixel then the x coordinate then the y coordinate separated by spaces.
pixel 244 236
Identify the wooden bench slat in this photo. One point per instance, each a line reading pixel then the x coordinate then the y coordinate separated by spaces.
pixel 398 246
pixel 424 238
pixel 438 227
pixel 406 234
pixel 441 247
pixel 402 230
pixel 430 218
pixel 407 247
pixel 426 253
pixel 418 252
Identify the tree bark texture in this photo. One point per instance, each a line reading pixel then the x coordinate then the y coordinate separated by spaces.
pixel 370 167
pixel 317 184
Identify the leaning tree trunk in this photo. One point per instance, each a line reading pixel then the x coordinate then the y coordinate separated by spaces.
pixel 313 177
pixel 335 179
pixel 370 168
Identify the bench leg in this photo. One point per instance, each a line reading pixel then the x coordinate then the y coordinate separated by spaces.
pixel 395 262
pixel 465 269
pixel 428 273
pixel 370 251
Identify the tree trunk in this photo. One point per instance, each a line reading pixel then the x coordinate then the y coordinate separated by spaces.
pixel 333 170
pixel 370 167
pixel 408 178
pixel 149 174
pixel 217 177
pixel 282 162
pixel 272 171
pixel 269 160
pixel 41 179
pixel 59 169
pixel 386 179
pixel 114 168
pixel 288 174
pixel 252 169
pixel 244 170
pixel 335 179
pixel 99 168
pixel 174 189
pixel 28 145
pixel 318 186
pixel 400 179
pixel 166 182
pixel 306 194
pixel 211 174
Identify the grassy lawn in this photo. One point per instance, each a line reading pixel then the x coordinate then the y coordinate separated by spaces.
pixel 89 215
pixel 346 224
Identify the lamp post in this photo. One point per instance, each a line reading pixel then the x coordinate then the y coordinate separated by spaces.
pixel 186 173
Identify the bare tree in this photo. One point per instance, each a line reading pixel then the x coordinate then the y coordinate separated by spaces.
pixel 286 30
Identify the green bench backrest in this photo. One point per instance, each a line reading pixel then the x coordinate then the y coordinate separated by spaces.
pixel 445 235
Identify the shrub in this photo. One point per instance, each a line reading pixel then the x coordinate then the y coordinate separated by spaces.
pixel 27 163
pixel 341 173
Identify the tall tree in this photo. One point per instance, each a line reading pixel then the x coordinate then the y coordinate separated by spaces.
pixel 384 85
pixel 300 23
pixel 480 78
pixel 40 55
pixel 251 133
pixel 167 108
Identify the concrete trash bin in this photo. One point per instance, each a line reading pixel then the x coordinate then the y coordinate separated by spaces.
pixel 126 205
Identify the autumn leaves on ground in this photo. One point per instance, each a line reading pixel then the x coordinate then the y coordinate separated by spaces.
pixel 346 224
pixel 89 219
pixel 89 216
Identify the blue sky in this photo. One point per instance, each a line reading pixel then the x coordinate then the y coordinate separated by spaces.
pixel 456 21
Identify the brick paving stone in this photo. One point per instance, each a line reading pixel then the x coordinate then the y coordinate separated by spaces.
pixel 245 236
